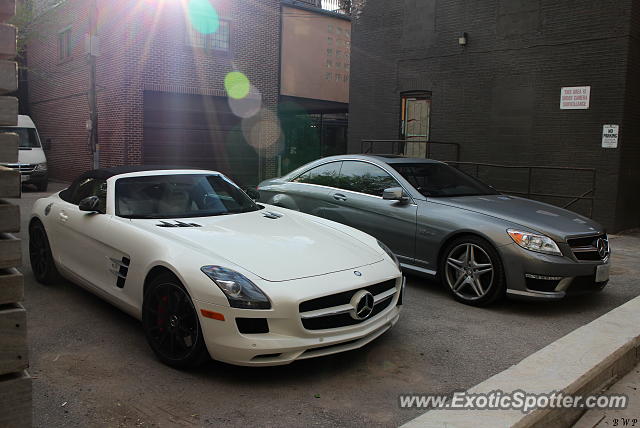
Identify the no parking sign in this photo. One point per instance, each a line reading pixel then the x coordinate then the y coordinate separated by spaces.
pixel 610 136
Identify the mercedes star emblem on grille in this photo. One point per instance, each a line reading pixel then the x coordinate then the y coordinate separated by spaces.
pixel 362 303
pixel 601 245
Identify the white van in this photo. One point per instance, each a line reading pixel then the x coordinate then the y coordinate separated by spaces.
pixel 32 162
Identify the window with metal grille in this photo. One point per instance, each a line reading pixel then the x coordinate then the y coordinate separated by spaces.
pixel 218 40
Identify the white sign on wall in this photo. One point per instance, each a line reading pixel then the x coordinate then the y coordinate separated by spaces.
pixel 610 136
pixel 575 98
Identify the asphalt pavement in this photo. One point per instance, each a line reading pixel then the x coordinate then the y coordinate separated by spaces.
pixel 92 366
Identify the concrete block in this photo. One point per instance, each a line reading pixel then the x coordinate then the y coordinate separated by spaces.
pixel 9 217
pixel 8 76
pixel 8 41
pixel 10 252
pixel 9 143
pixel 10 183
pixel 14 353
pixel 7 9
pixel 11 286
pixel 15 400
pixel 8 111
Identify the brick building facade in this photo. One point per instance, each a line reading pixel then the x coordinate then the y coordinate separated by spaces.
pixel 156 85
pixel 498 95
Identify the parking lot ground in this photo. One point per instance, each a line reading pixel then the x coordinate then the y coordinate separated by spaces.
pixel 92 366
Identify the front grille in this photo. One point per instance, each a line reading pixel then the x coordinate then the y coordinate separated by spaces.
pixel 586 248
pixel 23 167
pixel 344 298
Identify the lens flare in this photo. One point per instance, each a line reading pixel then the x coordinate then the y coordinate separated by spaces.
pixel 262 130
pixel 237 85
pixel 248 106
pixel 203 16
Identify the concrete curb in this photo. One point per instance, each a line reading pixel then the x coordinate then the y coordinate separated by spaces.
pixel 584 361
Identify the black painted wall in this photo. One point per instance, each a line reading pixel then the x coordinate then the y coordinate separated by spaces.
pixel 499 96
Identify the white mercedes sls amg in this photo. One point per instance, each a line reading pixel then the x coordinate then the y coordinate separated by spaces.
pixel 210 272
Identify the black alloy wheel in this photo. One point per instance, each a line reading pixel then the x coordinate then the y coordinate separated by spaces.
pixel 42 263
pixel 171 325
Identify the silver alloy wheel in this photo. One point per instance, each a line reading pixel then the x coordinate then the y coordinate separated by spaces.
pixel 469 271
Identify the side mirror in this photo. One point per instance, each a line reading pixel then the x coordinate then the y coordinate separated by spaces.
pixel 47 144
pixel 394 194
pixel 90 204
pixel 253 193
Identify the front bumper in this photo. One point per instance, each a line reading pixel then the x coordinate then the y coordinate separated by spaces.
pixel 532 275
pixel 287 340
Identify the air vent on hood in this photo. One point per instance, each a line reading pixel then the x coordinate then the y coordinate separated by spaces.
pixel 271 214
pixel 177 224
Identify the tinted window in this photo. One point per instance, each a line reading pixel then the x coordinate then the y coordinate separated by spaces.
pixel 27 137
pixel 180 196
pixel 365 178
pixel 436 179
pixel 90 187
pixel 325 175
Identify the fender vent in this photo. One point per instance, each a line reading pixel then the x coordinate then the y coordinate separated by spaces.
pixel 271 215
pixel 120 268
pixel 177 224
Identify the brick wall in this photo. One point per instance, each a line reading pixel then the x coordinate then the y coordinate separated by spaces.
pixel 142 46
pixel 499 96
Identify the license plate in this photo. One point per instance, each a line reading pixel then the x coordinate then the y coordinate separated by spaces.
pixel 602 273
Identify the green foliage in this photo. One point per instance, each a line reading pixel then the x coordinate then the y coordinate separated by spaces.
pixel 369 184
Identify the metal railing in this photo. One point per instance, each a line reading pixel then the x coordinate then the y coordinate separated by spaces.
pixel 397 146
pixel 588 195
pixel 337 6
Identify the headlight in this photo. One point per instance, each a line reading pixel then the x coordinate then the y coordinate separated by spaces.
pixel 535 242
pixel 240 291
pixel 41 166
pixel 388 251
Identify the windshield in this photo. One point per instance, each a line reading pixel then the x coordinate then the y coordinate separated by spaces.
pixel 28 137
pixel 180 196
pixel 441 180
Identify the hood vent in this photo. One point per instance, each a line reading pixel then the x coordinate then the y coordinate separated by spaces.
pixel 271 215
pixel 177 224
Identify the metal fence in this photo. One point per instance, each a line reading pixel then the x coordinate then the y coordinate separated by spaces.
pixel 587 195
pixel 583 180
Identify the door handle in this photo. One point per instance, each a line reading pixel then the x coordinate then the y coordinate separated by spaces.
pixel 63 217
pixel 339 197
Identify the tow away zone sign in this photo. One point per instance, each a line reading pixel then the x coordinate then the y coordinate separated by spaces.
pixel 575 98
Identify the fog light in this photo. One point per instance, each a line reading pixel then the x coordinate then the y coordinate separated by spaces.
pixel 542 277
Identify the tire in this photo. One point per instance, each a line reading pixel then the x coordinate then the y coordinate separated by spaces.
pixel 42 185
pixel 42 262
pixel 472 271
pixel 171 324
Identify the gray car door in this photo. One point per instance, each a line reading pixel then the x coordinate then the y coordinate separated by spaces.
pixel 309 191
pixel 357 201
